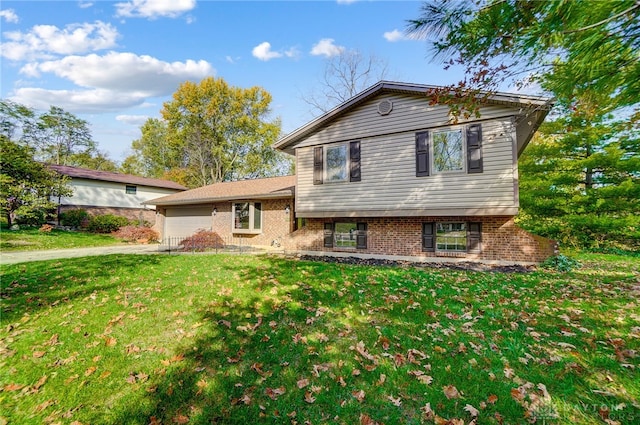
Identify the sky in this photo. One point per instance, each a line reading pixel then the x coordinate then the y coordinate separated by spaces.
pixel 114 63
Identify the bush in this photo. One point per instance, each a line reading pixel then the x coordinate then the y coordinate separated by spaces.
pixel 201 241
pixel 139 234
pixel 74 218
pixel 46 228
pixel 561 263
pixel 106 223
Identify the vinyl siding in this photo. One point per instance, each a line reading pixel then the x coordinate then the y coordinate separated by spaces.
pixel 410 113
pixel 389 183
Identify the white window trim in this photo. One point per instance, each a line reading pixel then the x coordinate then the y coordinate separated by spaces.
pixel 251 230
pixel 325 168
pixel 466 230
pixel 463 135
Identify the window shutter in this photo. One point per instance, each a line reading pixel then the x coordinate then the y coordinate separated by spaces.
pixel 317 165
pixel 474 148
pixel 428 237
pixel 422 154
pixel 328 235
pixel 474 237
pixel 354 150
pixel 361 236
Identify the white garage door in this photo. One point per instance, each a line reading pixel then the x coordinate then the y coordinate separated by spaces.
pixel 185 221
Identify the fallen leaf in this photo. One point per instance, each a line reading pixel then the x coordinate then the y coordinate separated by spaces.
pixel 13 387
pixel 90 371
pixel 274 393
pixel 395 401
pixel 492 399
pixel 302 383
pixel 38 354
pixel 366 420
pixel 181 419
pixel 451 392
pixel 359 395
pixel 308 397
pixel 472 410
pixel 105 374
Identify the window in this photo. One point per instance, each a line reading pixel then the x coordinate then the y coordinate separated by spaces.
pixel 452 237
pixel 345 235
pixel 335 158
pixel 247 217
pixel 131 190
pixel 447 151
pixel 337 163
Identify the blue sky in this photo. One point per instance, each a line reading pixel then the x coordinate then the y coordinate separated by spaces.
pixel 115 63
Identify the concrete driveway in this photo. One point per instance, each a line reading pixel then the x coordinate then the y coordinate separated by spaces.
pixel 26 256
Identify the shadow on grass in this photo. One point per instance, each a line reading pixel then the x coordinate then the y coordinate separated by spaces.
pixel 29 287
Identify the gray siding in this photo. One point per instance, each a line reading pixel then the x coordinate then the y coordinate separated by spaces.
pixel 389 185
pixel 410 113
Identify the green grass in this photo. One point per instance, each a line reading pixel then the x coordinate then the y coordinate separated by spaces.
pixel 33 239
pixel 252 339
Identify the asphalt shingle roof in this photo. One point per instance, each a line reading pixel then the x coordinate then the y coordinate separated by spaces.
pixel 85 173
pixel 272 187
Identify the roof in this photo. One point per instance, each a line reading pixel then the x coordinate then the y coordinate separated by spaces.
pixel 509 99
pixel 85 173
pixel 267 188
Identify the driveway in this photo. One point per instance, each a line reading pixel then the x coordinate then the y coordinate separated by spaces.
pixel 26 256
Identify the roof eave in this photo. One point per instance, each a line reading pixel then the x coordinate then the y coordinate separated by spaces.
pixel 288 193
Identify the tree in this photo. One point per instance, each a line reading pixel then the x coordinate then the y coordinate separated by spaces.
pixel 217 132
pixel 61 135
pixel 153 155
pixel 16 120
pixel 27 186
pixel 567 46
pixel 344 76
pixel 580 178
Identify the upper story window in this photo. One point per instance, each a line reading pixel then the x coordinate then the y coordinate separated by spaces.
pixel 131 190
pixel 247 217
pixel 448 154
pixel 336 163
pixel 448 150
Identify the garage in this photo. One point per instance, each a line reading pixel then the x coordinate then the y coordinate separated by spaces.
pixel 185 221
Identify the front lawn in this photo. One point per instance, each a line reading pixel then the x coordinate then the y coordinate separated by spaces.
pixel 33 239
pixel 227 339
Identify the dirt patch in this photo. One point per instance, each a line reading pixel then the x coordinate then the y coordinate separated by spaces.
pixel 462 266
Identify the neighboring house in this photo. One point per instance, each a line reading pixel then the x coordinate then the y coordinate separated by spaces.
pixel 388 173
pixel 103 192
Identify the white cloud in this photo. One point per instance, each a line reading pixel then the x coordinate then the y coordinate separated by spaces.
pixel 136 120
pixel 394 35
pixel 109 82
pixel 292 53
pixel 78 101
pixel 85 4
pixel 124 72
pixel 263 52
pixel 326 47
pixel 9 15
pixel 346 1
pixel 45 41
pixel 153 9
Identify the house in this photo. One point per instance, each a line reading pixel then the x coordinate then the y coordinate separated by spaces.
pixel 388 173
pixel 103 192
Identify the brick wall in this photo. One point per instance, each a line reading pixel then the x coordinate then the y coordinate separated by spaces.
pixel 133 214
pixel 276 222
pixel 502 240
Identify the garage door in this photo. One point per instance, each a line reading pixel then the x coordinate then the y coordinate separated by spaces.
pixel 185 221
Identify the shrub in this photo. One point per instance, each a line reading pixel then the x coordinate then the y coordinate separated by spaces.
pixel 561 263
pixel 46 228
pixel 201 241
pixel 137 234
pixel 74 218
pixel 107 223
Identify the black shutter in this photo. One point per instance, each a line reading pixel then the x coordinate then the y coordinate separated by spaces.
pixel 428 237
pixel 317 165
pixel 328 235
pixel 422 154
pixel 354 150
pixel 474 237
pixel 361 236
pixel 474 148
